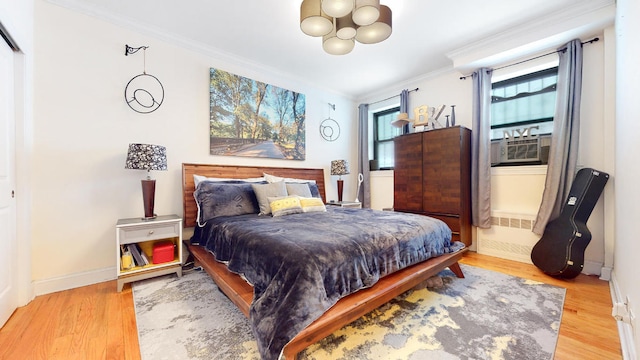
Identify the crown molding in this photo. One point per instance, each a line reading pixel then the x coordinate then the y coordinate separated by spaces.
pixel 238 62
pixel 404 84
pixel 587 18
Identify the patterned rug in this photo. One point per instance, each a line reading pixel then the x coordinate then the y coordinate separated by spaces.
pixel 486 315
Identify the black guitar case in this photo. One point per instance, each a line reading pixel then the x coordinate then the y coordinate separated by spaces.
pixel 560 251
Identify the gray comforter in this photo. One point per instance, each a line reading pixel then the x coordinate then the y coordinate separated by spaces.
pixel 302 264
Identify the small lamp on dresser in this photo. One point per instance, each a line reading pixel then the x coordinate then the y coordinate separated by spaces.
pixel 340 167
pixel 147 157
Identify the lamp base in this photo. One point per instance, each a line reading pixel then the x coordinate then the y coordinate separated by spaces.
pixel 148 196
pixel 340 188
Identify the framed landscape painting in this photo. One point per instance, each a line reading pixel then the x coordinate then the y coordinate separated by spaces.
pixel 254 119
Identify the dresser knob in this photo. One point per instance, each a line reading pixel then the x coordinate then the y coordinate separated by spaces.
pixel 150 232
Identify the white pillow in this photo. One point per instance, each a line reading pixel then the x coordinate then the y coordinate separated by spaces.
pixel 198 178
pixel 274 179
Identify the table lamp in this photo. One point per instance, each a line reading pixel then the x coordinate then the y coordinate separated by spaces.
pixel 147 157
pixel 339 167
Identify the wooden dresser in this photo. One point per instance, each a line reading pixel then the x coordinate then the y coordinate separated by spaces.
pixel 432 176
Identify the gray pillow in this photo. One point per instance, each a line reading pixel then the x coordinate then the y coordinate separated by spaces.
pixel 224 199
pixel 300 189
pixel 315 192
pixel 264 191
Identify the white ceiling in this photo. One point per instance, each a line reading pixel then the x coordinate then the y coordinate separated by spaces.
pixel 267 34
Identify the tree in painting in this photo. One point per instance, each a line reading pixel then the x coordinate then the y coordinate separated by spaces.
pixel 251 118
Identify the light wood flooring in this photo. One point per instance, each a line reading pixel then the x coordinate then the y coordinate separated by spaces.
pixel 96 322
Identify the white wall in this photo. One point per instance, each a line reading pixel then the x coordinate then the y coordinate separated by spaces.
pixel 17 18
pixel 83 127
pixel 627 148
pixel 442 88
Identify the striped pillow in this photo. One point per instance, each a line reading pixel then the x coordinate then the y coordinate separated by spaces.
pixel 312 204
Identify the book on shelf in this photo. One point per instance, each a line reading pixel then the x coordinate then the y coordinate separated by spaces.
pixel 137 258
pixel 145 259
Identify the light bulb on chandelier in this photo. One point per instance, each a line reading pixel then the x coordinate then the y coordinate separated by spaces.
pixel 342 22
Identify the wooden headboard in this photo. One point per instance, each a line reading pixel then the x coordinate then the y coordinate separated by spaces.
pixel 189 208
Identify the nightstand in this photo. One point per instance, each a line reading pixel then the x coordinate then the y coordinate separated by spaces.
pixel 346 204
pixel 162 230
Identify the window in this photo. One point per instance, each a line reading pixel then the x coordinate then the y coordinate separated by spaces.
pixel 524 100
pixel 522 110
pixel 383 134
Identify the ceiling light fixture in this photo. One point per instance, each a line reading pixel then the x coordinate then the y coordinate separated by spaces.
pixel 366 12
pixel 334 45
pixel 313 21
pixel 378 31
pixel 342 22
pixel 337 8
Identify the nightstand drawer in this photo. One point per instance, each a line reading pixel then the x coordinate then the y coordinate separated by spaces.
pixel 146 233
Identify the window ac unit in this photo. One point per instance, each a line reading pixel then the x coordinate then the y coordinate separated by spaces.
pixel 519 150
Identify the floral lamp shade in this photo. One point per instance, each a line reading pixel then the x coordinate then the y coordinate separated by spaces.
pixel 339 167
pixel 146 157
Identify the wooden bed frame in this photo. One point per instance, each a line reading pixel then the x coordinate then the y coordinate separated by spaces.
pixel 345 311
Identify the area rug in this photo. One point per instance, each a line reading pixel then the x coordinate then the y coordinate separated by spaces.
pixel 486 315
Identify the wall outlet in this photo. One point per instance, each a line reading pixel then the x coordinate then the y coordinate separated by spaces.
pixel 622 312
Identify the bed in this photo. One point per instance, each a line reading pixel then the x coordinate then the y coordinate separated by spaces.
pixel 340 301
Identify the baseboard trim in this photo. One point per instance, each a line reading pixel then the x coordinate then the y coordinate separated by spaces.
pixel 592 267
pixel 47 286
pixel 605 273
pixel 624 330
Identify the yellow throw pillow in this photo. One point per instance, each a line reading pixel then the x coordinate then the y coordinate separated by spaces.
pixel 288 205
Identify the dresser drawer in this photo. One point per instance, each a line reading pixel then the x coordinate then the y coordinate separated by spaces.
pixel 452 221
pixel 146 233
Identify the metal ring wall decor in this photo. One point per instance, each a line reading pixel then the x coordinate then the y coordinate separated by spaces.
pixel 139 93
pixel 144 93
pixel 329 128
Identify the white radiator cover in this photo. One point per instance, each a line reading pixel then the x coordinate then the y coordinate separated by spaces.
pixel 510 236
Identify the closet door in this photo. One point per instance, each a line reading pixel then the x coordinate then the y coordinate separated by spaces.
pixel 407 174
pixel 8 244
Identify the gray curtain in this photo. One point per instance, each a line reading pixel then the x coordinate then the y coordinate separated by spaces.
pixel 563 154
pixel 404 108
pixel 363 155
pixel 481 149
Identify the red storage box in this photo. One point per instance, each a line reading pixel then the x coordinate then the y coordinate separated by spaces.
pixel 162 252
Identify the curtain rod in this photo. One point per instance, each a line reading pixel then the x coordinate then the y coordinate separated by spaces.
pixel 533 58
pixel 391 97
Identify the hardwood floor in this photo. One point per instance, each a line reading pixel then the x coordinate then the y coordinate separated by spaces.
pixel 91 322
pixel 587 331
pixel 96 322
